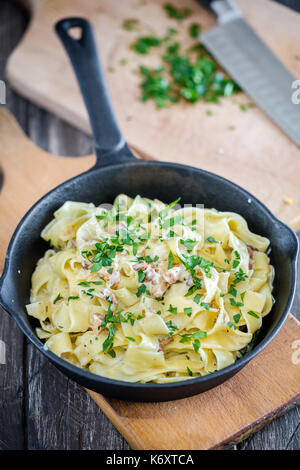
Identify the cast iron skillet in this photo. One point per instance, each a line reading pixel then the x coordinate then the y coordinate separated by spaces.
pixel 118 171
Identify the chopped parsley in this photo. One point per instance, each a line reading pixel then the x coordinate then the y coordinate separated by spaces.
pixel 177 13
pixel 170 260
pixel 237 317
pixel 232 291
pixel 108 344
pixel 141 290
pixel 145 43
pixel 197 298
pixel 240 276
pixel 59 297
pixel 104 254
pixel 205 305
pixel 237 259
pixel 141 276
pixel 172 309
pixel 194 30
pixel 231 325
pixel 130 24
pixel 171 327
pixel 234 303
pixel 187 337
pixel 188 311
pixel 196 345
pixel 211 240
pixel 253 314
pixel 189 244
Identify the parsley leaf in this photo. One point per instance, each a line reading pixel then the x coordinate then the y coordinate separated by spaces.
pixel 59 297
pixel 253 314
pixel 172 309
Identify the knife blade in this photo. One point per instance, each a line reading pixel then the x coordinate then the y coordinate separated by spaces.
pixel 245 57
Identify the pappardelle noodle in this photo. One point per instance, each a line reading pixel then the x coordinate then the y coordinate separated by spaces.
pixel 150 292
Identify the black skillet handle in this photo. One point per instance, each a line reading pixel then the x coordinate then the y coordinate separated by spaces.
pixel 108 140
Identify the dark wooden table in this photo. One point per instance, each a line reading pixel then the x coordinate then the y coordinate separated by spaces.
pixel 39 407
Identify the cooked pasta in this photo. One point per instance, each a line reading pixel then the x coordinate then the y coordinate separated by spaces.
pixel 149 292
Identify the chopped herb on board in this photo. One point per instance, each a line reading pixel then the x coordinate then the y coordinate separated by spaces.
pixel 196 345
pixel 172 328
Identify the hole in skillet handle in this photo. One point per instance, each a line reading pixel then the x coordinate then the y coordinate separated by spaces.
pixel 109 143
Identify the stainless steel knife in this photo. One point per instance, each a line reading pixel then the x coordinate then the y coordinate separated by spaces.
pixel 253 66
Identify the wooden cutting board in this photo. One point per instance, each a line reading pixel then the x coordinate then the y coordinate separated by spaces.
pixel 245 147
pixel 266 387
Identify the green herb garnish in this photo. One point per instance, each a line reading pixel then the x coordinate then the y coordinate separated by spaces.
pixel 59 297
pixel 194 30
pixel 211 240
pixel 170 260
pixel 172 309
pixel 205 305
pixel 197 298
pixel 177 13
pixel 141 276
pixel 130 338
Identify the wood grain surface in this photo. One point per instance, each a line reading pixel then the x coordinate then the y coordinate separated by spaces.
pixel 31 414
pixel 245 147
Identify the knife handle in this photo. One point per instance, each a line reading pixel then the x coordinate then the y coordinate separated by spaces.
pixel 226 10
